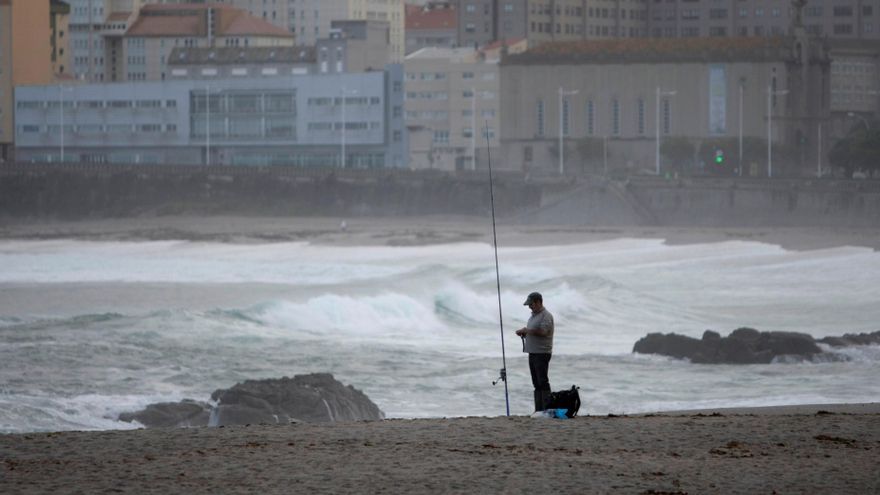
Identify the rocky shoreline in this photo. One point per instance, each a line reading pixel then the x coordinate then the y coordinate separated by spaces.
pixel 749 346
pixel 313 398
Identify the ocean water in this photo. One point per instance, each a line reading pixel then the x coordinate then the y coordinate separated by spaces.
pixel 92 329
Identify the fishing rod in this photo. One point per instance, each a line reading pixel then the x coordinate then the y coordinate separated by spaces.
pixel 503 377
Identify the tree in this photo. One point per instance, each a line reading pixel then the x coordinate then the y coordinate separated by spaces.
pixel 679 151
pixel 859 150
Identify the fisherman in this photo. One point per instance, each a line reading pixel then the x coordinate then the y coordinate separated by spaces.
pixel 537 338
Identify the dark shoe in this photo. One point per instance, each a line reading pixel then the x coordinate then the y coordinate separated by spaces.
pixel 539 400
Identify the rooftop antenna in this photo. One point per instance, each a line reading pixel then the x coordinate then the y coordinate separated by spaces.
pixel 503 376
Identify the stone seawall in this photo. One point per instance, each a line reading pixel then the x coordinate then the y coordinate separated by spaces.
pixel 714 202
pixel 75 192
pixel 102 191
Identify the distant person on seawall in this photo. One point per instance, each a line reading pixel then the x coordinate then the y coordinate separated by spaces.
pixel 538 343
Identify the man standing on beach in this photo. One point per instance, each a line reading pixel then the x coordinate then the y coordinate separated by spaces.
pixel 538 342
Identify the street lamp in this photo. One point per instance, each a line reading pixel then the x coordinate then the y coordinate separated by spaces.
pixel 742 83
pixel 61 90
pixel 208 125
pixel 345 93
pixel 854 115
pixel 562 93
pixel 770 95
pixel 474 128
pixel 657 127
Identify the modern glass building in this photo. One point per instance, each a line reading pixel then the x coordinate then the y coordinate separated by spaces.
pixel 300 120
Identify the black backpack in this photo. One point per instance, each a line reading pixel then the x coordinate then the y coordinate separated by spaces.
pixel 570 400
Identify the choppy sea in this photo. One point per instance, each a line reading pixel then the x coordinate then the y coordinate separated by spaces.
pixel 92 329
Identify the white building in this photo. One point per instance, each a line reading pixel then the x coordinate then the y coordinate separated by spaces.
pixel 310 20
pixel 450 92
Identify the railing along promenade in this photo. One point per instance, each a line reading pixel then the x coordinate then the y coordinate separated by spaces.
pixel 374 175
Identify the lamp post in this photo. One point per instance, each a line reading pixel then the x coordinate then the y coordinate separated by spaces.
pixel 742 83
pixel 61 109
pixel 474 128
pixel 345 93
pixel 208 125
pixel 562 94
pixel 770 95
pixel 657 127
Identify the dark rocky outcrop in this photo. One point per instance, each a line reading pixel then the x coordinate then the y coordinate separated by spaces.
pixel 310 398
pixel 745 346
pixel 315 398
pixel 185 413
pixel 851 339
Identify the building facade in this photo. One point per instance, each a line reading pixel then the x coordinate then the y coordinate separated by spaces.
pixel 434 24
pixel 452 106
pixel 480 22
pixel 310 20
pixel 146 45
pixel 304 121
pixel 354 46
pixel 25 58
pixel 846 19
pixel 59 23
pixel 571 20
pixel 614 98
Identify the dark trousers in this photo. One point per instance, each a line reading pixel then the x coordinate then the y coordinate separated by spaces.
pixel 539 366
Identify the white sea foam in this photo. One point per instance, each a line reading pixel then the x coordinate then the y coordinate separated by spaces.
pixel 416 328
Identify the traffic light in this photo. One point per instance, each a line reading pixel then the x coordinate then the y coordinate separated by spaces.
pixel 719 157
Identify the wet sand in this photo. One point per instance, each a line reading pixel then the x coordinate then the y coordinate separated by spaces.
pixel 833 449
pixel 413 231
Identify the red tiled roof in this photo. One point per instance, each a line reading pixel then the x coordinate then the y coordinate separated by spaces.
pixel 245 24
pixel 118 16
pixel 183 25
pixel 184 6
pixel 418 17
pixel 498 44
pixel 629 50
pixel 190 20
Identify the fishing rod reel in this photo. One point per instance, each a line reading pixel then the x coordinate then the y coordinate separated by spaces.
pixel 502 377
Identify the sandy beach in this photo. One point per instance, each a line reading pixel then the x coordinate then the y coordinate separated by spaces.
pixel 812 449
pixel 789 449
pixel 415 231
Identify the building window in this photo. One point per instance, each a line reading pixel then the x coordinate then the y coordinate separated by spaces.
pixel 843 29
pixel 540 118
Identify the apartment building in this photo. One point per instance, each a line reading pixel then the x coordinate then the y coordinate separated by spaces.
pixel 353 46
pixel 453 109
pixel 310 20
pixel 847 19
pixel 146 46
pixel 25 58
pixel 571 20
pixel 59 24
pixel 627 93
pixel 304 121
pixel 480 22
pixel 96 27
pixel 434 24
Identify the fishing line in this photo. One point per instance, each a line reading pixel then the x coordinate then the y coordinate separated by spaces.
pixel 503 376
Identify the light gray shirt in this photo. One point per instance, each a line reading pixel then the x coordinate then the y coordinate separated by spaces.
pixel 539 339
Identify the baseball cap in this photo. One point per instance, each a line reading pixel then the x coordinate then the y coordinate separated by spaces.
pixel 534 296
